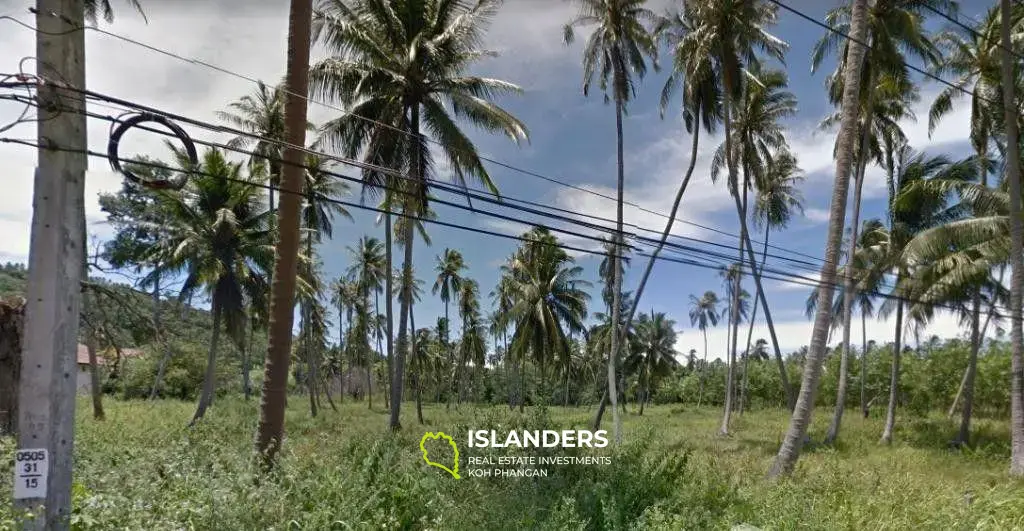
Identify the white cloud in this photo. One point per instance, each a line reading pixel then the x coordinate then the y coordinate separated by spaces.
pixel 816 215
pixel 793 334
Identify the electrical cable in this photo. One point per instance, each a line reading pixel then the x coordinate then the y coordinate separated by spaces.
pixel 113 146
pixel 391 171
pixel 499 163
pixel 770 275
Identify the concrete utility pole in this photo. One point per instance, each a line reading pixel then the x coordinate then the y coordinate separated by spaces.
pixel 43 462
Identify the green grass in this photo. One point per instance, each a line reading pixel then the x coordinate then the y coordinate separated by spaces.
pixel 142 469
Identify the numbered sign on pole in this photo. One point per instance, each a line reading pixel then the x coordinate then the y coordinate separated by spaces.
pixel 30 469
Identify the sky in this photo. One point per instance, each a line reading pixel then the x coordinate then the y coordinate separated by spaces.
pixel 572 139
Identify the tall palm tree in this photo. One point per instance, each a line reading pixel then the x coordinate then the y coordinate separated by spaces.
pixel 727 34
pixel 548 300
pixel 217 236
pixel 616 54
pixel 912 209
pixel 777 199
pixel 344 294
pixel 1010 113
pixel 471 345
pixel 403 64
pixel 789 450
pixel 653 352
pixel 700 107
pixel 368 271
pixel 895 30
pixel 704 312
pixel 449 267
pixel 318 210
pixel 973 57
pixel 270 431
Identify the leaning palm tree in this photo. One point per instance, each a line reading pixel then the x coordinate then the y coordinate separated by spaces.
pixel 403 65
pixel 704 312
pixel 896 30
pixel 700 108
pixel 727 33
pixel 616 54
pixel 216 235
pixel 789 450
pixel 777 199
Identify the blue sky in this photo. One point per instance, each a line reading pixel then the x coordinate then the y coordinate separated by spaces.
pixel 572 138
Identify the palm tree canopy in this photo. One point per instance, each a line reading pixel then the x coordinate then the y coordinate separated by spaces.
pixel 620 44
pixel 391 61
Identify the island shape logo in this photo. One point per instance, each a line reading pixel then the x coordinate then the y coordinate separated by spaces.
pixel 440 435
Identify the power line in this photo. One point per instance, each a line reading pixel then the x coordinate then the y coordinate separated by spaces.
pixel 129 106
pixel 768 274
pixel 530 173
pixel 850 38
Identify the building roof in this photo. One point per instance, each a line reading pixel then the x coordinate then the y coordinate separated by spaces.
pixel 83 355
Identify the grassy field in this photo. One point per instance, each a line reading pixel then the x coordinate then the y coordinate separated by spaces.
pixel 142 469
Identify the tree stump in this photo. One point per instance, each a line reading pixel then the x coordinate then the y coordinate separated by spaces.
pixel 12 313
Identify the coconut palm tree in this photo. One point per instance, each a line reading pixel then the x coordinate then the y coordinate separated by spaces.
pixel 704 312
pixel 216 235
pixel 973 57
pixel 344 294
pixel 912 209
pixel 616 56
pixel 777 199
pixel 700 108
pixel 727 33
pixel 652 355
pixel 449 267
pixel 318 211
pixel 403 65
pixel 548 300
pixel 471 347
pixel 367 270
pixel 896 30
pixel 789 450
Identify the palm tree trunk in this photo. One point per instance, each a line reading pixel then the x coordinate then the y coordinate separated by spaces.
pixel 388 310
pixel 282 301
pixel 162 366
pixel 247 362
pixel 730 353
pixel 613 354
pixel 1016 249
pixel 849 287
pixel 417 364
pixel 403 329
pixel 668 226
pixel 703 367
pixel 95 388
pixel 864 363
pixel 310 355
pixel 407 280
pixel 341 353
pixel 209 378
pixel 789 451
pixel 327 391
pixel 981 341
pixel 894 377
pixel 450 353
pixel 753 317
pixel 967 384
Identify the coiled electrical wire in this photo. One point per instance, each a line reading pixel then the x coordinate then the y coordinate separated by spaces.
pixel 143 117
